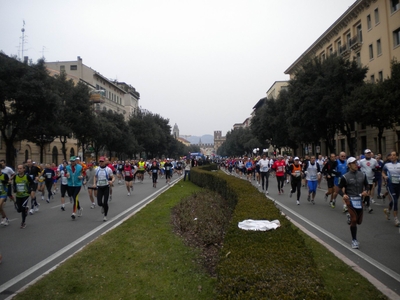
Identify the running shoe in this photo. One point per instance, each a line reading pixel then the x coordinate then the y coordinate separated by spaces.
pixel 354 244
pixel 42 198
pixel 73 216
pixel 372 200
pixel 312 201
pixel 5 222
pixel 2 221
pixel 344 209
pixel 396 222
pixel 370 210
pixel 387 213
pixel 308 198
pixel 23 225
pixel 93 206
pixel 80 211
pixel 37 207
pixel 332 204
pixel 298 202
pixel 48 200
pixel 105 219
pixel 348 218
pixel 62 208
pixel 31 212
pixel 130 193
pixel 326 197
pixel 266 192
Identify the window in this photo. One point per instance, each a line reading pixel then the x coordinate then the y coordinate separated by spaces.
pixel 359 34
pixel 62 68
pixel 369 22
pixel 348 39
pixel 378 47
pixel 330 50
pixel 380 75
pixel 73 67
pixel 358 59
pixel 394 5
pixel 339 45
pixel 372 78
pixel 396 37
pixel 376 14
pixel 371 52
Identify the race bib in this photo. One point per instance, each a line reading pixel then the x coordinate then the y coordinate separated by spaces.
pixel 395 179
pixel 313 177
pixel 48 175
pixel 20 187
pixel 167 168
pixel 264 169
pixel 155 171
pixel 356 202
pixel 102 182
pixel 297 173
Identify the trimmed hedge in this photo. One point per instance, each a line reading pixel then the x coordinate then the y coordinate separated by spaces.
pixel 260 265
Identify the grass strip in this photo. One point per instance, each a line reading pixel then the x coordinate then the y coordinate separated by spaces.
pixel 141 259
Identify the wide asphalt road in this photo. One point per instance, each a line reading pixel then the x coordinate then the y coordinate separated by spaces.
pixel 51 236
pixel 378 256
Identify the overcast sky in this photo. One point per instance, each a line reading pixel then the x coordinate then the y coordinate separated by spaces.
pixel 200 64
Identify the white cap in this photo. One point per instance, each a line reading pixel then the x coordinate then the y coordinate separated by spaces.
pixel 296 158
pixel 351 160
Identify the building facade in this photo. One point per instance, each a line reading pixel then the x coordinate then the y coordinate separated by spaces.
pixel 368 32
pixel 106 94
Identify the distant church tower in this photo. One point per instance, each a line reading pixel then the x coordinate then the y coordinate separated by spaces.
pixel 175 131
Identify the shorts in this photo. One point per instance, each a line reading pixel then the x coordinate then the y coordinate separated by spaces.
pixel 128 178
pixel 330 182
pixel 140 171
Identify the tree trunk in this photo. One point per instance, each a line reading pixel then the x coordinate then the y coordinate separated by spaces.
pixel 10 152
pixel 63 140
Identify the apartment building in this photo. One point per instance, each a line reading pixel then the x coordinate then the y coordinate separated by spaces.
pixel 106 94
pixel 368 32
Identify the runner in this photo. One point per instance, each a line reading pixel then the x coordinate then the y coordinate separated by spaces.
pixel 10 172
pixel 264 171
pixel 128 172
pixel 352 187
pixel 110 165
pixel 48 174
pixel 33 171
pixel 141 170
pixel 330 172
pixel 341 169
pixel 312 171
pixel 74 175
pixel 368 166
pixel 3 198
pixel 22 187
pixel 103 179
pixel 168 171
pixel 279 167
pixel 120 169
pixel 62 174
pixel 89 180
pixel 41 184
pixel 391 173
pixel 295 172
pixel 154 171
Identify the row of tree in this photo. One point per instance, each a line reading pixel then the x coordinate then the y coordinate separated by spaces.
pixel 323 99
pixel 40 108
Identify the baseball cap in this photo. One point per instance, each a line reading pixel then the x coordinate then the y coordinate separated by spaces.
pixel 351 160
pixel 102 158
pixel 367 151
pixel 296 158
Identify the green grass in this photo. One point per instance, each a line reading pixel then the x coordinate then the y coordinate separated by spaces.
pixel 141 259
pixel 144 259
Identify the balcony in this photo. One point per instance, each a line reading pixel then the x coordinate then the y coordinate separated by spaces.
pixel 356 43
pixel 344 51
pixel 97 96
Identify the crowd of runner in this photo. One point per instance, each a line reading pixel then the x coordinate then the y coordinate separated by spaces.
pixel 33 181
pixel 359 181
